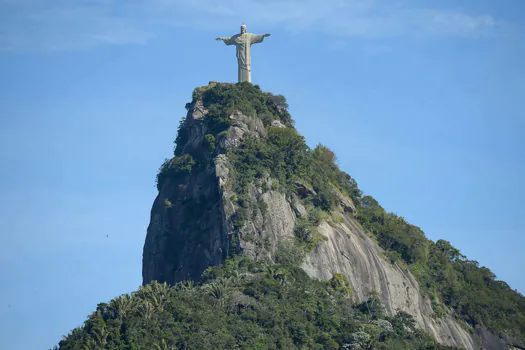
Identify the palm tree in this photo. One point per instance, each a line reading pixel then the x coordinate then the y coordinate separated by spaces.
pixel 121 305
pixel 219 289
pixel 185 285
pixel 146 310
pixel 155 293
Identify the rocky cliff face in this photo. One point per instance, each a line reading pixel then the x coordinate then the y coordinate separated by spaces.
pixel 349 251
pixel 196 222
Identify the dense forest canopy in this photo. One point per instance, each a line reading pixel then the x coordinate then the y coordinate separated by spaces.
pixel 244 304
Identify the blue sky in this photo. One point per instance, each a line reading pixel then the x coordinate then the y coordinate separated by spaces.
pixel 423 103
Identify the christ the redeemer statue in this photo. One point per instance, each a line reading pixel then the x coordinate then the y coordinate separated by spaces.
pixel 243 41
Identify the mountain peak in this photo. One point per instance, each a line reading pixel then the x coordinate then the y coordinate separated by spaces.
pixel 244 182
pixel 248 214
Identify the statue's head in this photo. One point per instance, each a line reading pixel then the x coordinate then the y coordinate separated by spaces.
pixel 243 28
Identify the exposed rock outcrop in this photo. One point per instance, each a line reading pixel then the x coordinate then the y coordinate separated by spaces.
pixel 351 252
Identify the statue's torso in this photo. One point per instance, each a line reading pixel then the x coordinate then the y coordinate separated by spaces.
pixel 242 42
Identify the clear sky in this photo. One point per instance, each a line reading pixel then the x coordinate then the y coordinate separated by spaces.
pixel 423 103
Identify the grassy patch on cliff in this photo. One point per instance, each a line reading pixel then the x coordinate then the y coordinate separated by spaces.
pixel 176 167
pixel 244 304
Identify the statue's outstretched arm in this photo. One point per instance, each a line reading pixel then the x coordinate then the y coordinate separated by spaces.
pixel 255 38
pixel 226 39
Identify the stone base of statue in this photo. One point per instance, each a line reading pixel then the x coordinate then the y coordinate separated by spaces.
pixel 244 74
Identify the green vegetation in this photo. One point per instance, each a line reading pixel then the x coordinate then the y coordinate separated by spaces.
pixel 181 139
pixel 306 229
pixel 341 284
pixel 209 143
pixel 282 155
pixel 285 156
pixel 222 100
pixel 175 167
pixel 244 304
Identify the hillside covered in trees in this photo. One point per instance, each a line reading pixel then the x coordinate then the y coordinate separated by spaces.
pixel 243 304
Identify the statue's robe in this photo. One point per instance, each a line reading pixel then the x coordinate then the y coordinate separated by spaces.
pixel 243 42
